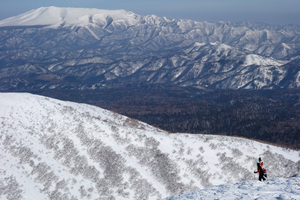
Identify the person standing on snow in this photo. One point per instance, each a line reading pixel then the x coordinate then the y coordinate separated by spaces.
pixel 260 170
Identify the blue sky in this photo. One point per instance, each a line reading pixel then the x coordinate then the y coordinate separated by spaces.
pixel 269 11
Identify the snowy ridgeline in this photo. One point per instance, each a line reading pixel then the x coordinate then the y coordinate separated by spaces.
pixel 53 149
pixel 81 48
pixel 277 188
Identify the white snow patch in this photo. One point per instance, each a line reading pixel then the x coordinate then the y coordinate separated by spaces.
pixel 199 44
pixel 277 188
pixel 253 59
pixel 286 46
pixel 224 47
pixel 92 33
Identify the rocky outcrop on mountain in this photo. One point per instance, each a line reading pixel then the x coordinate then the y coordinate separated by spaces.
pixel 73 48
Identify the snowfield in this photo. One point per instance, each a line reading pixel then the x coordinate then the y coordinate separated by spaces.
pixel 53 149
pixel 277 188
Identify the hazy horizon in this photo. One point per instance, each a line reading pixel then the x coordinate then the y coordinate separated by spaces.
pixel 267 11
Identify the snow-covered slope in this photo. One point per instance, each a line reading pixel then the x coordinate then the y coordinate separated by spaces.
pixel 253 59
pixel 276 188
pixel 52 149
pixel 70 16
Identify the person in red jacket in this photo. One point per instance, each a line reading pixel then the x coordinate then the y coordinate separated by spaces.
pixel 260 170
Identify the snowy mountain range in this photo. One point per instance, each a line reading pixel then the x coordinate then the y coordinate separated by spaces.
pixel 82 48
pixel 53 149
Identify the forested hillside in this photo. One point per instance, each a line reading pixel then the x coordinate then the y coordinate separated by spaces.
pixel 268 115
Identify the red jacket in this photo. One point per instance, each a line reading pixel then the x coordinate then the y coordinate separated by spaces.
pixel 260 169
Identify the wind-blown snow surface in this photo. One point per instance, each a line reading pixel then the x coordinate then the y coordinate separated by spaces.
pixel 52 149
pixel 277 188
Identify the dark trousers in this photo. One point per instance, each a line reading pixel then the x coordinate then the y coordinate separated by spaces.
pixel 261 176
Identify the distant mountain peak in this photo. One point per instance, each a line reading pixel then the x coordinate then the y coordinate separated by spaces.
pixel 69 16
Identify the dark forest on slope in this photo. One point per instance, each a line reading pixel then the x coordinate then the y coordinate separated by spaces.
pixel 268 115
